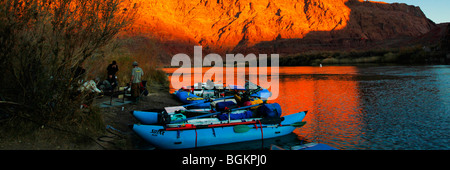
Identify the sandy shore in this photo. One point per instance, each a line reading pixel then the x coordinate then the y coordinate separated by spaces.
pixel 120 136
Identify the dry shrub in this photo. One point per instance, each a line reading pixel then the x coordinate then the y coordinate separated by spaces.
pixel 126 50
pixel 43 43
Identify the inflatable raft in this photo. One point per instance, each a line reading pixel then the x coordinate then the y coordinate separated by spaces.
pixel 200 135
pixel 308 146
pixel 199 98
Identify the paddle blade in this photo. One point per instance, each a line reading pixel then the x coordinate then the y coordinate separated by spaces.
pixel 194 98
pixel 299 124
pixel 241 128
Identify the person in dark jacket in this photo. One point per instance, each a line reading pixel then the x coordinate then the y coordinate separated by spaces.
pixel 112 69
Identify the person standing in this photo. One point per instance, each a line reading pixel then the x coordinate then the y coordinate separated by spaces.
pixel 136 79
pixel 112 69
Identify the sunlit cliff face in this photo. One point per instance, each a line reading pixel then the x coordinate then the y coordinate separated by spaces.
pixel 223 24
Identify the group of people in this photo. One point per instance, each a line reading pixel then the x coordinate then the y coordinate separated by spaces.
pixel 135 82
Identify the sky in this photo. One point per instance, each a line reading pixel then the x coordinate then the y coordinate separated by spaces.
pixel 436 10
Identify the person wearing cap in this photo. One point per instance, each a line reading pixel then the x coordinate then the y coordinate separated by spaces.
pixel 136 79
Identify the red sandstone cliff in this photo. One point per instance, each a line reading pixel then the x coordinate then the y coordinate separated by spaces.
pixel 283 26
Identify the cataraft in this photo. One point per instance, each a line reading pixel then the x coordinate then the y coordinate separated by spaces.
pixel 198 131
pixel 200 94
pixel 233 103
pixel 308 146
pixel 175 113
pixel 238 118
pixel 192 136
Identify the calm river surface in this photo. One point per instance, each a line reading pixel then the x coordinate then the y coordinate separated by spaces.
pixel 364 107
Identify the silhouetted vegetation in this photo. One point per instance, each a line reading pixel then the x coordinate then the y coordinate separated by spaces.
pixel 124 51
pixel 406 55
pixel 44 45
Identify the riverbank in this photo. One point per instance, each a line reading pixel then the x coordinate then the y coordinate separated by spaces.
pixel 122 137
pixel 116 136
pixel 417 55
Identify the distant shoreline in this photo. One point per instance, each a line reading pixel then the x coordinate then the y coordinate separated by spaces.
pixel 417 55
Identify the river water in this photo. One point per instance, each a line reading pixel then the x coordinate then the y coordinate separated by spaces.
pixel 362 107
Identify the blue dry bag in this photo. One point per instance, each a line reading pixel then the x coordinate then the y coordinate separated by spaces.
pixel 270 110
pixel 245 115
pixel 220 106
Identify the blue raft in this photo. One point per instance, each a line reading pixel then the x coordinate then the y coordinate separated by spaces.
pixel 163 138
pixel 190 98
pixel 308 146
pixel 147 117
pixel 198 102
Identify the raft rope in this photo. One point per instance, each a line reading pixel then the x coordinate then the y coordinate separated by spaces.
pixel 262 134
pixel 214 132
pixel 116 135
pixel 195 138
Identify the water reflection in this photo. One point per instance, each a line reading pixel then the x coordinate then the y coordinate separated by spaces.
pixel 330 94
pixel 405 107
pixel 389 107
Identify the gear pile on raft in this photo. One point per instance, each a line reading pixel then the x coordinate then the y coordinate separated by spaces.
pixel 214 115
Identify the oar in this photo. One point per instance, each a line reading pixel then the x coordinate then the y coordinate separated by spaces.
pixel 192 104
pixel 216 113
pixel 209 126
pixel 246 128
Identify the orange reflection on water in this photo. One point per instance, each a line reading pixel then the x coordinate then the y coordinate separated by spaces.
pixel 329 94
